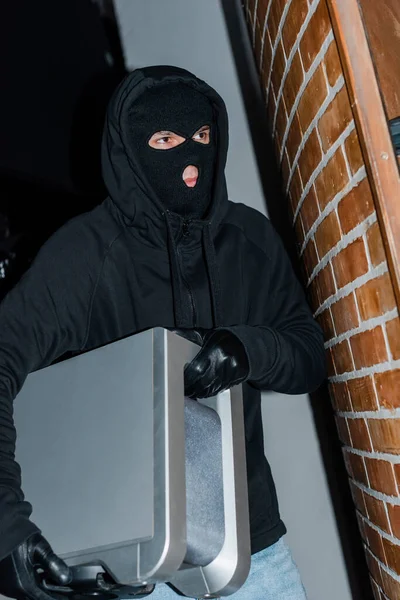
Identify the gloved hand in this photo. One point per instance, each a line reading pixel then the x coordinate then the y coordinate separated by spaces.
pixel 19 576
pixel 221 363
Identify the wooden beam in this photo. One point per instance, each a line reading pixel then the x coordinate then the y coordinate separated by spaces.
pixel 372 126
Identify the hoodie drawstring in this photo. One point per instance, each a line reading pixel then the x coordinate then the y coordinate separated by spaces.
pixel 175 276
pixel 213 274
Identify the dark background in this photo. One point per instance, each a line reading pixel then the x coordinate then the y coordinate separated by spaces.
pixel 61 62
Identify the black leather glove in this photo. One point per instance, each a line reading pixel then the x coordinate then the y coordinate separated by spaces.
pixel 19 577
pixel 221 363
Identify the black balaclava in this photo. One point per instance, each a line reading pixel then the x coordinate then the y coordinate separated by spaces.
pixel 178 108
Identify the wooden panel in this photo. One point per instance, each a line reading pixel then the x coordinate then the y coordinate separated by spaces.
pixel 372 126
pixel 382 23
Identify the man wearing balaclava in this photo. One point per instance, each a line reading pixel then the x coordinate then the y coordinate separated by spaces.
pixel 181 111
pixel 165 249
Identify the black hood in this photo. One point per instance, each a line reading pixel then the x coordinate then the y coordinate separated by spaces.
pixel 134 196
pixel 122 173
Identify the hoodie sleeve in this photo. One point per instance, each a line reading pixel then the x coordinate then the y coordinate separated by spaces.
pixel 40 319
pixel 286 348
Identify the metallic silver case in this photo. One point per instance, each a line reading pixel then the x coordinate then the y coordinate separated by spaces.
pixel 101 443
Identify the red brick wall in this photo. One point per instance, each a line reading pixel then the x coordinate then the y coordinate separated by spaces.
pixel 346 272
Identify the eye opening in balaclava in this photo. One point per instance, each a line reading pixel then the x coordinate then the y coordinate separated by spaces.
pixel 205 128
pixel 178 108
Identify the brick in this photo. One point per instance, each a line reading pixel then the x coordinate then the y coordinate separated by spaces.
pixel 353 152
pixel 257 44
pixel 312 294
pixel 293 82
pixel 278 67
pixel 275 16
pixel 350 263
pixel 358 498
pixel 374 540
pixel 345 316
pixel 326 323
pixel 361 526
pixel 294 138
pixel 358 468
pixel 359 434
pixel 250 17
pixel 376 512
pixel 385 435
pixel 341 397
pixel 347 464
pixel 262 6
pixel 342 358
pixel 251 5
pixel 309 210
pixel 376 591
pixel 375 245
pixel 393 334
pixel 332 179
pixel 294 20
pixel 373 567
pixel 356 206
pixel 317 31
pixel 330 363
pixel 343 431
pixel 310 257
pixel 310 157
pixel 328 234
pixel 299 231
pixel 381 476
pixel 362 393
pixel 325 284
pixel 394 517
pixel 312 98
pixel 390 586
pixel 335 119
pixel 396 469
pixel 332 64
pixel 368 348
pixel 266 58
pixel 285 169
pixel 295 189
pixel 388 388
pixel 281 123
pixel 271 106
pixel 375 297
pixel 392 553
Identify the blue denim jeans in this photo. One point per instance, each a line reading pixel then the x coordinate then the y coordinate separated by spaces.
pixel 273 576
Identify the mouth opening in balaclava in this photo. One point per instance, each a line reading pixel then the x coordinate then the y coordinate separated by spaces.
pixel 178 108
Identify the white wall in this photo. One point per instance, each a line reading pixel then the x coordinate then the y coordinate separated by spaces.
pixel 192 34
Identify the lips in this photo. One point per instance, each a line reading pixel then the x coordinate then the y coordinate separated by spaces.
pixel 191 181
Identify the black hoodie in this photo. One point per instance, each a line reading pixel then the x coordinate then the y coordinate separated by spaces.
pixel 128 266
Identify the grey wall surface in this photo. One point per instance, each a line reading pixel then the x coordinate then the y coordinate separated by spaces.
pixel 192 35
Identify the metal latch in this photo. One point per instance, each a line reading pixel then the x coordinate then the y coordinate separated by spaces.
pixel 92 581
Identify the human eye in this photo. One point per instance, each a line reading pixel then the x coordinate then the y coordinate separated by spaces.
pixel 163 140
pixel 202 136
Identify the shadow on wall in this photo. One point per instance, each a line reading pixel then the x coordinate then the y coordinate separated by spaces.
pixel 279 215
